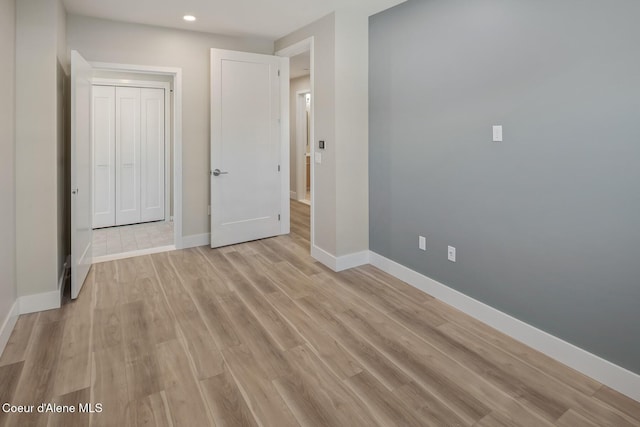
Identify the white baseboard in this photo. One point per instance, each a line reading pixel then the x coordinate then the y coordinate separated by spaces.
pixel 324 257
pixel 357 259
pixel 341 263
pixel 293 195
pixel 39 302
pixel 8 325
pixel 195 240
pixel 601 370
pixel 131 254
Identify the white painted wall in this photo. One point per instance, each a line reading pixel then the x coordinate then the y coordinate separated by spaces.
pixel 108 41
pixel 37 48
pixel 297 85
pixel 8 292
pixel 352 131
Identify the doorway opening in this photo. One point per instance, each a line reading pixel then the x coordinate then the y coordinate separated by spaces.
pixel 301 154
pixel 303 146
pixel 135 131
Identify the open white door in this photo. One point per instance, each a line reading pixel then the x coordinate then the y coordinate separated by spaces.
pixel 152 162
pixel 249 200
pixel 81 161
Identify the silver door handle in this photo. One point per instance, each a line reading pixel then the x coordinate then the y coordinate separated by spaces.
pixel 217 172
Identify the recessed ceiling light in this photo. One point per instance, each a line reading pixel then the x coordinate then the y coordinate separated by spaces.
pixel 189 18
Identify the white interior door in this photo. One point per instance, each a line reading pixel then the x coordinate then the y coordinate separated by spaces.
pixel 246 170
pixel 104 153
pixel 81 188
pixel 152 150
pixel 127 155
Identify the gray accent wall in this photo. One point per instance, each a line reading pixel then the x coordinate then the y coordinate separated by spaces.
pixel 547 223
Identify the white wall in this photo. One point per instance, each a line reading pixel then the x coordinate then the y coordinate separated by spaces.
pixel 296 85
pixel 108 41
pixel 37 162
pixel 352 131
pixel 8 293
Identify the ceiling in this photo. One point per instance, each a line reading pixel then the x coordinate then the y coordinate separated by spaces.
pixel 270 19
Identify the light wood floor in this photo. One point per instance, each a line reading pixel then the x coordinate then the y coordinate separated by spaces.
pixel 260 334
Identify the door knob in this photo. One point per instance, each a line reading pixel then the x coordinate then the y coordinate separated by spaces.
pixel 217 172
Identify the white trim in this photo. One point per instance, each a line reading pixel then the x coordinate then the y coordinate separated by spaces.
pixel 601 370
pixel 302 46
pixel 39 302
pixel 8 324
pixel 341 263
pixel 353 260
pixel 167 155
pixel 195 240
pixel 293 195
pixel 324 257
pixel 297 48
pixel 285 166
pixel 150 84
pixel 132 254
pixel 176 73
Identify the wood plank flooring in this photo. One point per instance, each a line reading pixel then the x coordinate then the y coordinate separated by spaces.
pixel 260 334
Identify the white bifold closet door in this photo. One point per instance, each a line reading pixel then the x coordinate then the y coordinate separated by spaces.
pixel 129 155
pixel 152 151
pixel 104 151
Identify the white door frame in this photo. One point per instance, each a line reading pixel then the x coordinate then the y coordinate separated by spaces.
pixel 98 81
pixel 307 45
pixel 176 75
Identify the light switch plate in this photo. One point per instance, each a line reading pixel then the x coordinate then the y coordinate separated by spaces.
pixel 497 133
pixel 422 243
pixel 318 157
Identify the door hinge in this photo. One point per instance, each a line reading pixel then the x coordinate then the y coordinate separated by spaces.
pixel 278 217
pixel 278 168
pixel 278 73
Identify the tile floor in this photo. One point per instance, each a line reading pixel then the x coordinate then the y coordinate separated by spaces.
pixel 127 238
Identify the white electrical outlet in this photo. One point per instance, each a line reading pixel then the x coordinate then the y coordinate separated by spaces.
pixel 497 133
pixel 451 254
pixel 422 243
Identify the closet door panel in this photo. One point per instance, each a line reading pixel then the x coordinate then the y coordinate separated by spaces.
pixel 104 151
pixel 152 148
pixel 127 155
